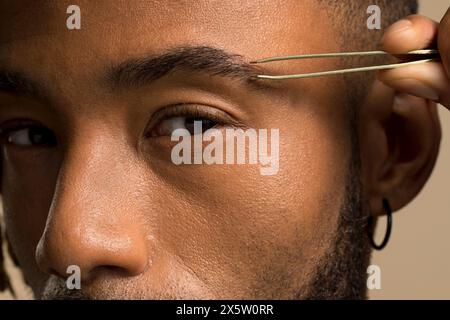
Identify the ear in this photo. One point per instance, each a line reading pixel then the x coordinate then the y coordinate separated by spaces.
pixel 399 137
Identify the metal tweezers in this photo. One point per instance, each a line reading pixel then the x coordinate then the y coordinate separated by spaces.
pixel 411 58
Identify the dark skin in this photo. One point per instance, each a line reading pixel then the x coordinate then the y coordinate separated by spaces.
pixel 102 195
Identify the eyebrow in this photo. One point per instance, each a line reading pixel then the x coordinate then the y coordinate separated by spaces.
pixel 139 72
pixel 201 59
pixel 19 83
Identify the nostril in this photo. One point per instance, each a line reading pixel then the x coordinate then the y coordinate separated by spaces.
pixel 111 270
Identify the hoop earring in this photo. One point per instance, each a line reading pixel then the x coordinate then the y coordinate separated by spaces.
pixel 388 210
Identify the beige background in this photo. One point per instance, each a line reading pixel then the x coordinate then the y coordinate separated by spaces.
pixel 416 262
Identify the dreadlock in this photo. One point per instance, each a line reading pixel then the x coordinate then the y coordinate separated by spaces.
pixel 5 283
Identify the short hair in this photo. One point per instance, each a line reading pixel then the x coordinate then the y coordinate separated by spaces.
pixel 350 18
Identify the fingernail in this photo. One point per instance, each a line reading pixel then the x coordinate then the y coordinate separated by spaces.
pixel 417 88
pixel 401 26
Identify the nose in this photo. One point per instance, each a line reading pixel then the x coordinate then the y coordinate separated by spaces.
pixel 93 222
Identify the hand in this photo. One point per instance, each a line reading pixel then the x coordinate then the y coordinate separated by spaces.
pixel 430 80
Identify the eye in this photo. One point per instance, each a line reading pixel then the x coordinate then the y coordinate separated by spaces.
pixel 167 126
pixel 27 136
pixel 185 117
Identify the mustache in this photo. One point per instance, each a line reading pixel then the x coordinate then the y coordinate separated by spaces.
pixel 56 289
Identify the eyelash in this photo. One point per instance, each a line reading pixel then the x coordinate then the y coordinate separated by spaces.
pixel 190 110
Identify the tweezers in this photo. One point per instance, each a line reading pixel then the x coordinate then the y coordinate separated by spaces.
pixel 414 57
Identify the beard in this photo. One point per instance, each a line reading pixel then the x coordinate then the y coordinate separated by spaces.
pixel 342 271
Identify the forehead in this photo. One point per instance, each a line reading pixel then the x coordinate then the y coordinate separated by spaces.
pixel 114 28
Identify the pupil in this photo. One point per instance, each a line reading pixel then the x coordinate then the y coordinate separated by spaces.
pixel 40 136
pixel 206 124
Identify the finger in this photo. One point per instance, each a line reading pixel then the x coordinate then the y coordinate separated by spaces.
pixel 411 33
pixel 428 80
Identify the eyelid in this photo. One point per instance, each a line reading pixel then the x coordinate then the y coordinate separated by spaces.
pixel 9 126
pixel 191 110
pixel 17 124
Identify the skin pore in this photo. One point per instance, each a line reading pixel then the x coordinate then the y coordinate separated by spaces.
pixel 96 191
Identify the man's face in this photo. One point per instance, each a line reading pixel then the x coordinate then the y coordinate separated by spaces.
pixel 87 175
